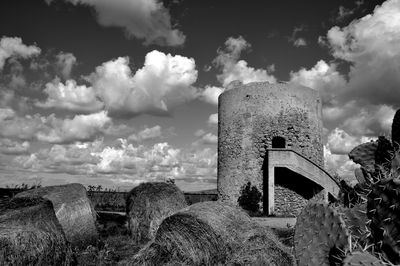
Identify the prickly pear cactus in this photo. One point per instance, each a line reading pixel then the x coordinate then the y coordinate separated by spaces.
pixel 321 237
pixel 362 259
pixel 356 222
pixel 358 173
pixel 396 130
pixel 383 210
pixel 364 155
pixel 383 155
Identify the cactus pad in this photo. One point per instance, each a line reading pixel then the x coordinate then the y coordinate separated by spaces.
pixel 361 259
pixel 321 237
pixel 356 222
pixel 364 155
pixel 383 210
pixel 383 154
pixel 396 130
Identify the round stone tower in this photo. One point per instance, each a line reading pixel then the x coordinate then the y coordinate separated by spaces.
pixel 258 116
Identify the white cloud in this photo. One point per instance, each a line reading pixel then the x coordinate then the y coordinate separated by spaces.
pixel 209 138
pixel 6 113
pixel 362 102
pixel 213 119
pixel 340 164
pixel 79 128
pixel 160 159
pixel 24 128
pixel 164 82
pixel 343 13
pixel 199 133
pixel 211 93
pixel 235 69
pixel 65 62
pixel 125 163
pixel 67 159
pixel 205 138
pixel 299 42
pixel 70 96
pixel 142 19
pixel 295 39
pixel 13 47
pixel 371 121
pixel 370 44
pixel 322 77
pixel 147 134
pixel 11 147
pixel 340 142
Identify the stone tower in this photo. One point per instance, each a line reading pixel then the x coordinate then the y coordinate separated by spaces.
pixel 259 116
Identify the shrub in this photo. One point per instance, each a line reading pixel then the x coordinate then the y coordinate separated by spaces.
pixel 249 198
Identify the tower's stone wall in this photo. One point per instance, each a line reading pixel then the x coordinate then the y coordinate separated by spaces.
pixel 250 116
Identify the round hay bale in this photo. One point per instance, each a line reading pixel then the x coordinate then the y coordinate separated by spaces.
pixel 30 234
pixel 73 209
pixel 262 247
pixel 148 204
pixel 205 233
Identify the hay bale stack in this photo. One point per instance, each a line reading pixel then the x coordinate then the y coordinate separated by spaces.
pixel 205 233
pixel 30 234
pixel 148 204
pixel 262 247
pixel 73 210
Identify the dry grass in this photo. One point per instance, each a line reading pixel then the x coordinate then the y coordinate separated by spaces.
pixel 73 209
pixel 30 234
pixel 148 204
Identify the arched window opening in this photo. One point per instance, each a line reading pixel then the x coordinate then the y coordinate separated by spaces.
pixel 278 142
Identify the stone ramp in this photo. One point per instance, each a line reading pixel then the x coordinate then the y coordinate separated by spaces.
pixel 296 162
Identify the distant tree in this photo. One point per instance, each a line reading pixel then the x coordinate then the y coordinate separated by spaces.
pixel 249 198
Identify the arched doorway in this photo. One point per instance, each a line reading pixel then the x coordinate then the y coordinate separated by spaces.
pixel 278 142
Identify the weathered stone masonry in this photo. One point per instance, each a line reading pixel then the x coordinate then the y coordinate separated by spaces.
pixel 250 116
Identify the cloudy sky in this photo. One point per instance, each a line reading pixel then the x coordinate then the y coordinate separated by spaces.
pixel 115 93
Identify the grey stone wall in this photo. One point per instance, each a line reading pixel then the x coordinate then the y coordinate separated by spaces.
pixel 250 116
pixel 287 202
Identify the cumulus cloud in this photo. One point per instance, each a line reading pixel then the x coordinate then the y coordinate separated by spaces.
pixel 79 128
pixel 340 142
pixel 142 19
pixel 161 158
pixel 323 77
pixel 12 47
pixel 211 93
pixel 10 147
pixel 295 39
pixel 164 82
pixel 24 128
pixel 343 13
pixel 68 159
pixel 213 119
pixel 65 62
pixel 339 164
pixel 299 42
pixel 70 96
pixel 147 134
pixel 370 45
pixel 125 163
pixel 6 113
pixel 52 129
pixel 235 69
pixel 362 102
pixel 205 138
